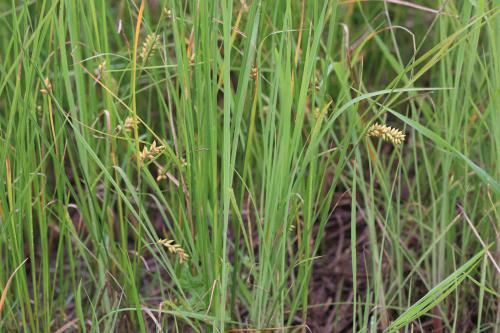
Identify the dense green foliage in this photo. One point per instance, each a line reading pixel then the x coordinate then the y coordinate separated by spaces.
pixel 173 166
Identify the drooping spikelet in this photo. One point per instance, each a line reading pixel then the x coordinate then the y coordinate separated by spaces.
pixel 162 173
pixel 99 71
pixel 387 133
pixel 48 87
pixel 152 152
pixel 167 12
pixel 129 124
pixel 254 72
pixel 151 43
pixel 175 248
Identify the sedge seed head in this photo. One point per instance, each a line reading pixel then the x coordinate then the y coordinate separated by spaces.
pixel 162 173
pixel 151 44
pixel 386 133
pixel 175 249
pixel 48 87
pixel 152 152
pixel 129 124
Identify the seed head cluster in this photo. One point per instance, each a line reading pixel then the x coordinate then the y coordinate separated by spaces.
pixel 167 12
pixel 129 124
pixel 175 248
pixel 151 44
pixel 48 87
pixel 162 173
pixel 254 73
pixel 152 152
pixel 386 133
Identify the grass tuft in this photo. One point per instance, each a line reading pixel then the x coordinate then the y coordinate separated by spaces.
pixel 224 166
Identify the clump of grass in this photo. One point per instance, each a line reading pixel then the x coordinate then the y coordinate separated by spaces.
pixel 259 107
